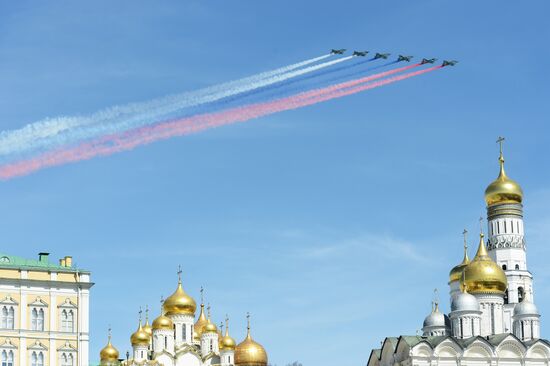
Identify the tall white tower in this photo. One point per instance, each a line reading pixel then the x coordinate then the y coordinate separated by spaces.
pixel 506 242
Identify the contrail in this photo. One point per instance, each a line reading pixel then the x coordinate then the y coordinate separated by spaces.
pixel 128 140
pixel 41 134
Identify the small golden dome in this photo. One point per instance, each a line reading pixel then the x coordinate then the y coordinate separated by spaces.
pixel 483 275
pixel 226 342
pixel 456 272
pixel 179 303
pixel 109 353
pixel 250 352
pixel 209 327
pixel 201 322
pixel 163 322
pixel 503 189
pixel 140 337
pixel 147 327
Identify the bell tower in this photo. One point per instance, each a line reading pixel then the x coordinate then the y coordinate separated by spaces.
pixel 506 241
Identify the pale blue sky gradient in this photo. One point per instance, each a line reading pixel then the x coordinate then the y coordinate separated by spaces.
pixel 331 224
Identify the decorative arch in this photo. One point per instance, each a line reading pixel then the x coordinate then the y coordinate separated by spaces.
pixel 479 348
pixel 538 350
pixel 510 348
pixel 448 348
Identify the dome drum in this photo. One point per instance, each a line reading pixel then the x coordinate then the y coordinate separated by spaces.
pixel 505 209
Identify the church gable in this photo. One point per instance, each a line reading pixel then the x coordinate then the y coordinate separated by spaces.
pixel 448 348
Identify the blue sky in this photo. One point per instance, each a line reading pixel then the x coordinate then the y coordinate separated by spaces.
pixel 331 224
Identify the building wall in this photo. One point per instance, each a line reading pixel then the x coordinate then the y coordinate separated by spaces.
pixel 53 293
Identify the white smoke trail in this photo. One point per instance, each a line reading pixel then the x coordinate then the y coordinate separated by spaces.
pixel 64 130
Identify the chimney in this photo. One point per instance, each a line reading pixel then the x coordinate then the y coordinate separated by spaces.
pixel 68 260
pixel 43 257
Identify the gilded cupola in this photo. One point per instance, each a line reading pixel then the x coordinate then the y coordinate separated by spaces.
pixel 456 272
pixel 147 327
pixel 109 353
pixel 503 189
pixel 140 337
pixel 163 322
pixel 201 321
pixel 209 326
pixel 250 352
pixel 179 302
pixel 483 275
pixel 226 342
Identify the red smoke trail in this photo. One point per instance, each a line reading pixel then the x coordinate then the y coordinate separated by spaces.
pixel 108 145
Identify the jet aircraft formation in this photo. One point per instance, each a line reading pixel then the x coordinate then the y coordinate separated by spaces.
pixel 400 58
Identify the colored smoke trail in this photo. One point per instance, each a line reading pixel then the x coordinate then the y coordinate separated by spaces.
pixel 128 140
pixel 57 131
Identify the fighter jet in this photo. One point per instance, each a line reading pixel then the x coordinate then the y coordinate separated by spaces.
pixel 381 55
pixel 337 52
pixel 449 63
pixel 360 53
pixel 404 58
pixel 428 61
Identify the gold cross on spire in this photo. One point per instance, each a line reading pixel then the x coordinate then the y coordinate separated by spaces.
pixel 161 304
pixel 202 295
pixel 140 312
pixel 436 298
pixel 248 321
pixel 481 225
pixel 465 234
pixel 500 141
pixel 146 312
pixel 208 309
pixel 110 332
pixel 179 273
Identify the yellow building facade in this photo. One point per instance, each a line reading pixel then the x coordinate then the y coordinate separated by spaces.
pixel 44 312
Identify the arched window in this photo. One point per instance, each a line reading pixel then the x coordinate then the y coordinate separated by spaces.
pixel 504 267
pixel 492 318
pixel 8 317
pixel 461 328
pixel 37 319
pixel 522 331
pixel 184 332
pixel 67 320
pixel 473 330
pixel 11 318
pixel 506 296
pixel 34 319
pixel 517 266
pixel 37 359
pixel 165 342
pixel 521 294
pixel 211 345
pixel 7 358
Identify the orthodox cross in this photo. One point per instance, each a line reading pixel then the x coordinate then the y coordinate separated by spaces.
pixel 481 225
pixel 179 272
pixel 248 320
pixel 202 295
pixel 140 312
pixel 465 234
pixel 500 141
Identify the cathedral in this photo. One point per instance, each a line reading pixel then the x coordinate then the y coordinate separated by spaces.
pixel 176 339
pixel 493 318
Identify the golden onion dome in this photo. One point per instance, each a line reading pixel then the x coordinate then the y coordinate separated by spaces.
pixel 226 342
pixel 163 322
pixel 503 189
pixel 209 327
pixel 179 303
pixel 250 352
pixel 109 353
pixel 483 275
pixel 201 322
pixel 140 337
pixel 456 272
pixel 147 327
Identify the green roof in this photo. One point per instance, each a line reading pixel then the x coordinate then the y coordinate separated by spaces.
pixel 43 264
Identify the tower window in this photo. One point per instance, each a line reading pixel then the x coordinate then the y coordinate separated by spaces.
pixel 504 226
pixel 492 318
pixel 506 297
pixel 461 328
pixel 521 294
pixel 166 342
pixel 512 226
pixel 498 227
pixel 522 331
pixel 504 267
pixel 184 332
pixel 517 266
